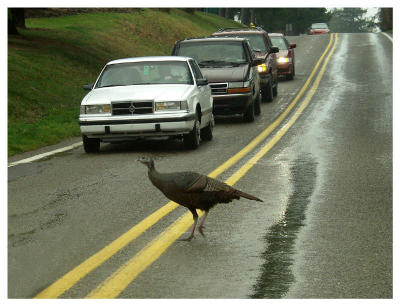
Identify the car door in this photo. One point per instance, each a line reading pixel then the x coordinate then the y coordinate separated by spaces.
pixel 204 90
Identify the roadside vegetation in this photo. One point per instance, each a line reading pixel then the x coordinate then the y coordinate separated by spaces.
pixel 53 57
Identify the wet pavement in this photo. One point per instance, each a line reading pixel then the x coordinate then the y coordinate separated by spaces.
pixel 324 231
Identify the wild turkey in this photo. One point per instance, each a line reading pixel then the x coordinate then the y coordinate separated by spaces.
pixel 193 191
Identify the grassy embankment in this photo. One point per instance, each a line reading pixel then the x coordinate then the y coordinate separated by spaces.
pixel 54 57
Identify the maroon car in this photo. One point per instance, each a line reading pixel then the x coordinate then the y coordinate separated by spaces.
pixel 285 57
pixel 319 28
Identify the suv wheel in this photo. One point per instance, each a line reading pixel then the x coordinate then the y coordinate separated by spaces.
pixel 275 89
pixel 207 132
pixel 268 92
pixel 257 106
pixel 248 116
pixel 192 140
pixel 91 145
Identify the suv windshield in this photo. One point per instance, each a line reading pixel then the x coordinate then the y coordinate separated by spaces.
pixel 279 42
pixel 256 40
pixel 140 73
pixel 214 53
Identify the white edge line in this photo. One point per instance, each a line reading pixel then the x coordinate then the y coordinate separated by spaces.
pixel 43 155
pixel 388 36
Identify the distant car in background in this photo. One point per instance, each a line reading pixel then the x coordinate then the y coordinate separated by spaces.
pixel 285 56
pixel 319 28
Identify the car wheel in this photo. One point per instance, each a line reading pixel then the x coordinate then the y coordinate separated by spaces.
pixel 249 115
pixel 257 106
pixel 275 89
pixel 91 145
pixel 207 132
pixel 192 140
pixel 267 93
pixel 291 75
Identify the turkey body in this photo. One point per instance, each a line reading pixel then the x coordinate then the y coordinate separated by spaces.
pixel 193 191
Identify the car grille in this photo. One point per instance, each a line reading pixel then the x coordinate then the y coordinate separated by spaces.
pixel 132 108
pixel 219 88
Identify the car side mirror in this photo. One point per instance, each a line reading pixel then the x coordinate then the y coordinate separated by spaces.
pixel 257 61
pixel 274 50
pixel 202 82
pixel 88 86
pixel 292 46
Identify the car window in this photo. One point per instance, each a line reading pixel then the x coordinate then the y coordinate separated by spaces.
pixel 279 42
pixel 196 70
pixel 319 26
pixel 256 40
pixel 214 53
pixel 137 73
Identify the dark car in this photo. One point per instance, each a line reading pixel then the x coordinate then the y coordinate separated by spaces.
pixel 230 67
pixel 319 28
pixel 285 60
pixel 264 50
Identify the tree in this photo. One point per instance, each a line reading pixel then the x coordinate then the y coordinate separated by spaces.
pixel 275 19
pixel 18 14
pixel 351 20
pixel 385 16
pixel 245 16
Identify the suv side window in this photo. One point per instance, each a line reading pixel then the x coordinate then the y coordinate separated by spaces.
pixel 196 70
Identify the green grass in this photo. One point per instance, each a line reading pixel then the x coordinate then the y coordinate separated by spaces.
pixel 51 60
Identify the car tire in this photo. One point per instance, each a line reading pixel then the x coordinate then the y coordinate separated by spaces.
pixel 207 132
pixel 291 75
pixel 91 145
pixel 257 106
pixel 249 114
pixel 267 93
pixel 191 141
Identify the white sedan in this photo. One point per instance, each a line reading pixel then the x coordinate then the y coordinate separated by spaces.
pixel 147 97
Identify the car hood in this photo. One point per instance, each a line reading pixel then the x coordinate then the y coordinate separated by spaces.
pixel 164 92
pixel 225 74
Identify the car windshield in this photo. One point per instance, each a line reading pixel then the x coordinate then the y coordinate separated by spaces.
pixel 256 41
pixel 279 41
pixel 140 73
pixel 214 53
pixel 319 26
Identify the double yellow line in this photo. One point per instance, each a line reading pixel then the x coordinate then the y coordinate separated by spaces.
pixel 118 281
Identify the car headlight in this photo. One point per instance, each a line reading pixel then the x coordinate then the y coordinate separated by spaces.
pixel 283 60
pixel 262 68
pixel 96 109
pixel 238 87
pixel 171 106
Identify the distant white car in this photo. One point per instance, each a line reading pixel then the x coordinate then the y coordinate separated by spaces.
pixel 147 97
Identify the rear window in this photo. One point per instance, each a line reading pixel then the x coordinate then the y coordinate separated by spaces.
pixel 214 53
pixel 278 41
pixel 319 26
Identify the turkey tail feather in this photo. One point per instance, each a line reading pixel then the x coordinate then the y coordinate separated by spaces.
pixel 248 196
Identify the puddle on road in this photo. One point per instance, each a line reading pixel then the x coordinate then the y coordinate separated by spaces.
pixel 276 275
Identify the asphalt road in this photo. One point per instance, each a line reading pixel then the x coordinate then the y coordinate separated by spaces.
pixel 324 231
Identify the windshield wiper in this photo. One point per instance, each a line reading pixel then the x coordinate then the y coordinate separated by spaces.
pixel 210 62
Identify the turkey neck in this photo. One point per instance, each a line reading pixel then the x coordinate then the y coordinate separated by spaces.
pixel 156 177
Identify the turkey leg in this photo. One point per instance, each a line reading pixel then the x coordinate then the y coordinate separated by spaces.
pixel 195 218
pixel 201 226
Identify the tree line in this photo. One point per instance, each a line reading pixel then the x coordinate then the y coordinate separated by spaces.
pixel 291 21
